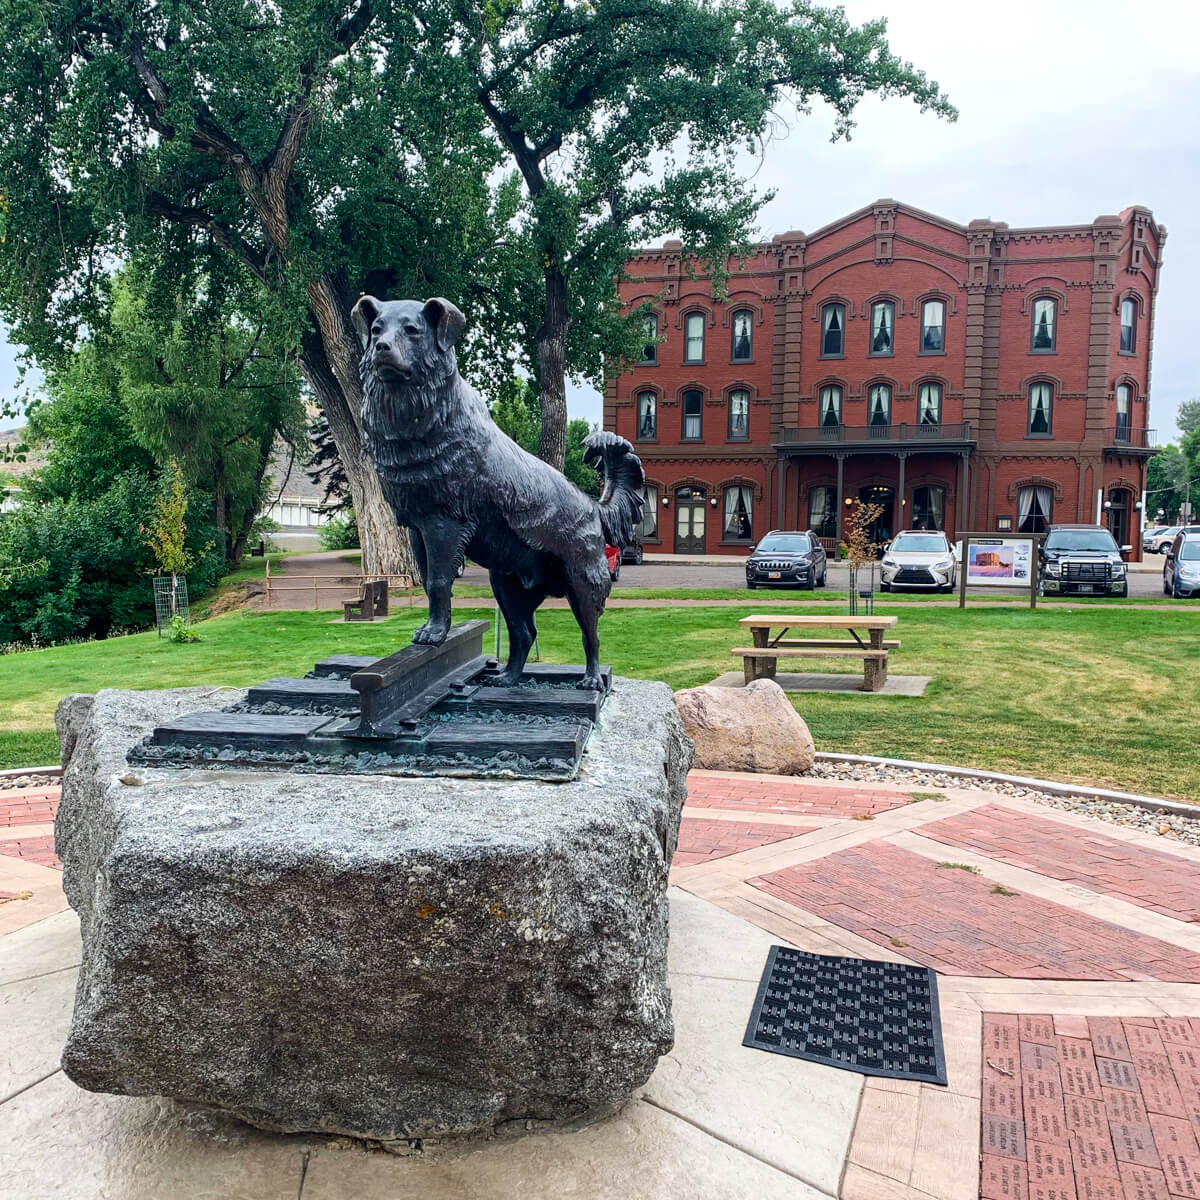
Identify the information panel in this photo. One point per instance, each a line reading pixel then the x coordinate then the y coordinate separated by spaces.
pixel 999 562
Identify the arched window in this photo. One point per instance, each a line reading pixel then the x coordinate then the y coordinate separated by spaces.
pixel 933 327
pixel 879 404
pixel 1124 411
pixel 822 511
pixel 649 525
pixel 1128 326
pixel 1034 507
pixel 929 404
pixel 883 328
pixel 650 332
pixel 831 407
pixel 693 338
pixel 833 331
pixel 739 415
pixel 1041 409
pixel 647 416
pixel 738 524
pixel 743 335
pixel 929 507
pixel 693 415
pixel 1044 331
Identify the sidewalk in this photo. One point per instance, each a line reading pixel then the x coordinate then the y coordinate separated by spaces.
pixel 1068 956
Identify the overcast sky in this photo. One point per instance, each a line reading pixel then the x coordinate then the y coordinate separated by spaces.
pixel 1069 109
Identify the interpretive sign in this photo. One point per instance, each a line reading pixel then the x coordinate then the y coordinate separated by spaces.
pixel 999 561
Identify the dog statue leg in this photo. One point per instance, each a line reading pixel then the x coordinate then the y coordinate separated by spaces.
pixel 443 544
pixel 587 607
pixel 518 604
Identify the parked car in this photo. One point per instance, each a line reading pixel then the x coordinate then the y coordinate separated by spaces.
pixel 1157 541
pixel 919 558
pixel 787 558
pixel 1082 560
pixel 613 555
pixel 1181 571
pixel 632 553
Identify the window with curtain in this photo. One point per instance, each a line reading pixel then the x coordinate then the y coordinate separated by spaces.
pixel 739 511
pixel 1041 409
pixel 743 335
pixel 929 404
pixel 831 407
pixel 933 327
pixel 650 332
pixel 1124 411
pixel 1128 325
pixel 1034 506
pixel 649 525
pixel 693 414
pixel 693 338
pixel 739 415
pixel 1045 319
pixel 647 416
pixel 822 511
pixel 929 507
pixel 833 330
pixel 879 404
pixel 883 325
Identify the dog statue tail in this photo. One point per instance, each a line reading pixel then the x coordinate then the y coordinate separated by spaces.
pixel 621 499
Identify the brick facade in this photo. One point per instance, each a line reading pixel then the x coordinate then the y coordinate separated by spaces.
pixel 958 422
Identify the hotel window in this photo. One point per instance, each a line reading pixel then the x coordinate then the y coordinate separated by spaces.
pixel 650 332
pixel 739 511
pixel 739 415
pixel 1041 409
pixel 833 330
pixel 743 335
pixel 879 404
pixel 883 328
pixel 693 341
pixel 649 525
pixel 647 417
pixel 822 511
pixel 693 412
pixel 929 507
pixel 933 327
pixel 1045 320
pixel 831 407
pixel 929 404
pixel 1128 325
pixel 1124 411
pixel 1034 505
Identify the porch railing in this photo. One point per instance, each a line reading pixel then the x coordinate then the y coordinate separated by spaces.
pixel 1126 435
pixel 891 435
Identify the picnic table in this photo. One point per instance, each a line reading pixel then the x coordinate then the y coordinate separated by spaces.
pixel 761 660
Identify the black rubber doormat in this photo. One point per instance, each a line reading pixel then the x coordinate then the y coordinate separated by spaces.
pixel 877 1018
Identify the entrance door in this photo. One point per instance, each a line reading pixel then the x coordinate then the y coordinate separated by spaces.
pixel 689 520
pixel 1118 515
pixel 882 527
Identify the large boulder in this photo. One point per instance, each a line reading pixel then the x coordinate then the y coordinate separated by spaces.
pixel 751 728
pixel 397 959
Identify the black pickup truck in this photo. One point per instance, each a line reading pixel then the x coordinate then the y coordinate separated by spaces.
pixel 1082 560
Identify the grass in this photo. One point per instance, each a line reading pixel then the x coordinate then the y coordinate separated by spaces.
pixel 928 795
pixel 1108 697
pixel 953 866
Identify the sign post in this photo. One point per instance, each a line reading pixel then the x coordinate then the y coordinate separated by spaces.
pixel 1006 560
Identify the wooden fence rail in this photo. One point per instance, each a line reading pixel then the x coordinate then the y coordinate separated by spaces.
pixel 343 582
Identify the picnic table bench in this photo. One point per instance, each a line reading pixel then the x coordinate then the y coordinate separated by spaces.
pixel 761 660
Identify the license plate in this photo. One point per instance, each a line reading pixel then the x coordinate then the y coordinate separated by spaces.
pixel 773 575
pixel 1084 587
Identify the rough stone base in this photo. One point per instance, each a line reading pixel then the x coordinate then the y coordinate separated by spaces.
pixel 396 959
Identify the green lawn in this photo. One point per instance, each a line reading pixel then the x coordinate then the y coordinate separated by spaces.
pixel 1108 696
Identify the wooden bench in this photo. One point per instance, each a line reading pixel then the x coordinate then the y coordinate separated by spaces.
pixel 371 603
pixel 760 661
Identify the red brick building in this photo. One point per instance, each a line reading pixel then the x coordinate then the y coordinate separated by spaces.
pixel 965 377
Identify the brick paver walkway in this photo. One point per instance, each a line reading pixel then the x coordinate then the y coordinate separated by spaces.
pixel 701 840
pixel 35 849
pixel 36 807
pixel 757 794
pixel 1165 883
pixel 954 921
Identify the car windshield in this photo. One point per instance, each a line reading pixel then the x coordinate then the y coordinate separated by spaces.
pixel 1097 540
pixel 796 543
pixel 1189 552
pixel 920 543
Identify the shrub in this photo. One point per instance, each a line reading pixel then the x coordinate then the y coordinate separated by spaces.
pixel 181 630
pixel 339 533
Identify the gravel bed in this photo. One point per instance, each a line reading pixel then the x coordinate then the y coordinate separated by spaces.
pixel 11 783
pixel 1166 824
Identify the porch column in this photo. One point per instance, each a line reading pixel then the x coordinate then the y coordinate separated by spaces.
pixel 840 459
pixel 901 520
pixel 964 485
pixel 781 471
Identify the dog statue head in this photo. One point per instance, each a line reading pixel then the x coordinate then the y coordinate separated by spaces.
pixel 405 341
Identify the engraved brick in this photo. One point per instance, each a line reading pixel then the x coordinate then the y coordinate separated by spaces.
pixel 1093 1154
pixel 1116 1074
pixel 1143 1183
pixel 1080 1079
pixel 1098 1187
pixel 1088 1116
pixel 1037 1057
pixel 999 1035
pixel 1177 1029
pixel 1036 1029
pixel 1045 1120
pixel 1143 1037
pixel 1183 1178
pixel 1159 1089
pixel 1002 1098
pixel 1048 1164
pixel 1134 1144
pixel 1172 1134
pixel 1183 1057
pixel 1003 1137
pixel 1043 1085
pixel 1108 1037
pixel 1126 1107
pixel 1003 1179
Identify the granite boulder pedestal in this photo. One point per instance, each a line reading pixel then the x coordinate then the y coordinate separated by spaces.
pixel 398 959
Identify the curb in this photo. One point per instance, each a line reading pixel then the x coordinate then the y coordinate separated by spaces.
pixel 1041 785
pixel 14 772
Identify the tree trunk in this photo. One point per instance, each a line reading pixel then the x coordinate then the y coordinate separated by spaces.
pixel 219 510
pixel 552 369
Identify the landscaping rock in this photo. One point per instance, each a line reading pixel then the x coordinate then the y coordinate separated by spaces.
pixel 69 717
pixel 395 959
pixel 752 728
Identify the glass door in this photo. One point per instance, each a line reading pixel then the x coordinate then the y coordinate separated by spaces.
pixel 690 506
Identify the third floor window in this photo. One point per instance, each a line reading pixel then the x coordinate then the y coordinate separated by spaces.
pixel 693 414
pixel 693 334
pixel 883 325
pixel 1124 411
pixel 743 335
pixel 1045 319
pixel 833 331
pixel 647 416
pixel 933 327
pixel 739 415
pixel 1041 409
pixel 650 333
pixel 1128 326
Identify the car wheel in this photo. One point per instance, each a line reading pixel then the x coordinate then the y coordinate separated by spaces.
pixel 750 586
pixel 1124 592
pixel 1166 587
pixel 615 573
pixel 637 562
pixel 824 578
pixel 884 587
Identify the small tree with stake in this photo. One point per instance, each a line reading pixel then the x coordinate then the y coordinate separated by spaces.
pixel 166 535
pixel 861 547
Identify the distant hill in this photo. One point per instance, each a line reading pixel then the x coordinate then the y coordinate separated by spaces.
pixel 11 438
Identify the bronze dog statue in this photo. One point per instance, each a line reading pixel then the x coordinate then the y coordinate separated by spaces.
pixel 463 487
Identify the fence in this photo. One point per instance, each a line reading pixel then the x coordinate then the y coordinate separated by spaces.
pixel 349 585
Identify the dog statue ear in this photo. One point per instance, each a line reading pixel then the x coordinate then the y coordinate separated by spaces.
pixel 445 318
pixel 363 315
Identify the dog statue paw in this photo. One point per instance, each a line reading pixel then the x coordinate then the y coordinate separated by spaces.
pixel 431 634
pixel 591 683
